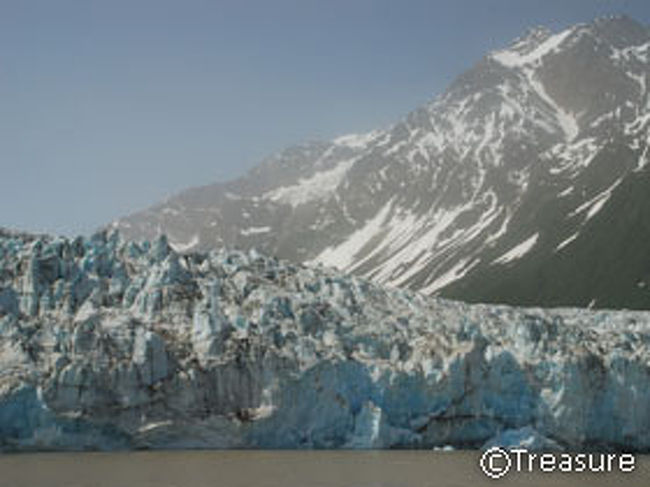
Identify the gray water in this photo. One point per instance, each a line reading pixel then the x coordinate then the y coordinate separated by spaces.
pixel 281 469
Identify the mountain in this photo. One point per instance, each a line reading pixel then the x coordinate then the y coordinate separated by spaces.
pixel 525 182
pixel 107 344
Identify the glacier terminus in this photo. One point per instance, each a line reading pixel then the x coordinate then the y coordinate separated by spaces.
pixel 111 344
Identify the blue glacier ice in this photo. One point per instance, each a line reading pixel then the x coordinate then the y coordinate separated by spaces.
pixel 107 344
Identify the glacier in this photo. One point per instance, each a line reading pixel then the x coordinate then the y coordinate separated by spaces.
pixel 112 344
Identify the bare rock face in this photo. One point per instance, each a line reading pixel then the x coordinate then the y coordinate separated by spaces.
pixel 108 344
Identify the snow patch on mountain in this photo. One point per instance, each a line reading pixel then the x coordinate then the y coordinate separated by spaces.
pixel 518 251
pixel 638 53
pixel 317 187
pixel 170 211
pixel 571 158
pixel 456 272
pixel 344 254
pixel 186 246
pixel 643 160
pixel 512 58
pixel 566 242
pixel 565 119
pixel 595 204
pixel 254 230
pixel 358 141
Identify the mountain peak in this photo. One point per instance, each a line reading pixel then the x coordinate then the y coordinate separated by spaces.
pixel 620 30
pixel 533 37
pixel 618 20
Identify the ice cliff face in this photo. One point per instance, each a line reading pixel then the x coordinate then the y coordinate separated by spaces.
pixel 110 344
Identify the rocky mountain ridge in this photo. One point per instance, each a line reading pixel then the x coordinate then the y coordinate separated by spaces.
pixel 524 183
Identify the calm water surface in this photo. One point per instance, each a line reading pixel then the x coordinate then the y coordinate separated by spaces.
pixel 280 469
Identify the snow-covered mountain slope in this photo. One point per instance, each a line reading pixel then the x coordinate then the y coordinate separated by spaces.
pixel 526 182
pixel 110 344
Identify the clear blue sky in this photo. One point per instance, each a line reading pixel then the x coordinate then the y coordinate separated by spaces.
pixel 110 106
